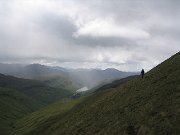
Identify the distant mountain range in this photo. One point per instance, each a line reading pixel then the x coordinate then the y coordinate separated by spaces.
pixel 70 79
pixel 94 77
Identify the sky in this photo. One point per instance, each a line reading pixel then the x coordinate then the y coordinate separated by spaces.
pixel 125 34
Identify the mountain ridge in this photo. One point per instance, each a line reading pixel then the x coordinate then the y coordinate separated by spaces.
pixel 58 77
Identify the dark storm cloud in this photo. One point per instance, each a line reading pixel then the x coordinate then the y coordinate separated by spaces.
pixel 124 34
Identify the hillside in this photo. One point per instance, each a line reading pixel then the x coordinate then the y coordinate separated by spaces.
pixel 45 117
pixel 18 97
pixel 58 81
pixel 34 89
pixel 140 106
pixel 51 76
pixel 14 105
pixel 113 84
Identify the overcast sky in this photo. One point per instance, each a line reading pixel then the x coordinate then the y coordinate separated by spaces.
pixel 125 34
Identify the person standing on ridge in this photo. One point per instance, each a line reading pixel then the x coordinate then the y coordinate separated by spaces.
pixel 142 73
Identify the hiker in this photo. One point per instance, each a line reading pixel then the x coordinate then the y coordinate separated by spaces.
pixel 142 73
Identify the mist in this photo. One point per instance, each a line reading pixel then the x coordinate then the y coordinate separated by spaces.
pixel 126 35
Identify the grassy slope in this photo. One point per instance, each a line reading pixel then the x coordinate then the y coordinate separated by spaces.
pixel 18 97
pixel 114 84
pixel 34 89
pixel 36 122
pixel 148 106
pixel 14 105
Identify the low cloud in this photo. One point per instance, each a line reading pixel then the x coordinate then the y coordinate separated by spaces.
pixel 128 35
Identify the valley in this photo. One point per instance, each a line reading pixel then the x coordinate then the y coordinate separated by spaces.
pixel 37 86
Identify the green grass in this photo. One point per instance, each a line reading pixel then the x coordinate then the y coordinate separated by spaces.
pixel 34 89
pixel 148 106
pixel 18 97
pixel 14 105
pixel 114 84
pixel 36 122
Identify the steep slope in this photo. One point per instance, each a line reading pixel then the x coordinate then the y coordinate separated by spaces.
pixel 140 106
pixel 34 89
pixel 44 117
pixel 113 84
pixel 36 122
pixel 14 105
pixel 18 97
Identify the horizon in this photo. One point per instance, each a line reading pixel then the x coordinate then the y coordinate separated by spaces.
pixel 24 65
pixel 79 34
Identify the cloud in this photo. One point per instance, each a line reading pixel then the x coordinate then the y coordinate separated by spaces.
pixel 108 28
pixel 128 35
